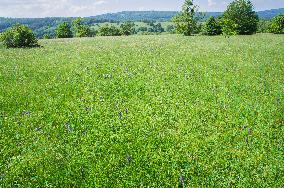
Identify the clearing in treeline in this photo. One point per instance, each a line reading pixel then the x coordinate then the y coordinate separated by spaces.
pixel 143 111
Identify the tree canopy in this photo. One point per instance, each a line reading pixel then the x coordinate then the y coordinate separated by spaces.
pixel 186 20
pixel 19 36
pixel 81 30
pixel 240 18
pixel 277 24
pixel 212 27
pixel 64 31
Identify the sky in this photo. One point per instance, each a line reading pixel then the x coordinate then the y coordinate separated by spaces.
pixel 83 8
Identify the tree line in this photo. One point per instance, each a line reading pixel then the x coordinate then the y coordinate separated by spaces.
pixel 239 19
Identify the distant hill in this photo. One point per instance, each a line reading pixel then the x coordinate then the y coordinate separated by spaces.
pixel 167 15
pixel 43 26
pixel 268 14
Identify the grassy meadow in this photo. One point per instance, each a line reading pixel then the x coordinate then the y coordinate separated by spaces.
pixel 143 111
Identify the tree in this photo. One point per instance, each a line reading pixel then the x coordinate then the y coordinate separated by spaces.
pixel 156 28
pixel 263 26
pixel 170 28
pixel 81 30
pixel 212 27
pixel 107 30
pixel 186 20
pixel 240 18
pixel 64 31
pixel 127 28
pixel 277 24
pixel 19 36
pixel 142 29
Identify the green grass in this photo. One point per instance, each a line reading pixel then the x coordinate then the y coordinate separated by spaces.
pixel 143 111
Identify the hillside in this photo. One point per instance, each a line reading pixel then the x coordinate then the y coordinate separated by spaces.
pixel 268 14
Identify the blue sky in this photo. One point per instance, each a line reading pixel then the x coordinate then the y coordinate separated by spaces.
pixel 47 8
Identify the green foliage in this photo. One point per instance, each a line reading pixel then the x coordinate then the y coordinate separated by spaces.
pixel 212 27
pixel 170 28
pixel 64 31
pixel 142 29
pixel 46 36
pixel 240 18
pixel 127 28
pixel 81 30
pixel 263 26
pixel 48 25
pixel 19 36
pixel 186 21
pixel 143 111
pixel 229 27
pixel 277 24
pixel 107 30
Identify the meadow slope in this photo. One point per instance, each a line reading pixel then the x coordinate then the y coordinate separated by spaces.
pixel 143 111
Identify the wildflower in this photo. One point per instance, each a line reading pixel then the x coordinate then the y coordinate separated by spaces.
pixel 128 159
pixel 68 127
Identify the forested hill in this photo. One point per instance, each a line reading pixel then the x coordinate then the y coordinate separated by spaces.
pixel 47 25
pixel 167 15
pixel 268 14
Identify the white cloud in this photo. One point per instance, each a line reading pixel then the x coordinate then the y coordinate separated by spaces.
pixel 46 8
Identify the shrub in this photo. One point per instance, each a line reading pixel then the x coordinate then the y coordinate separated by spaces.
pixel 170 28
pixel 239 18
pixel 64 31
pixel 127 28
pixel 263 26
pixel 277 24
pixel 107 30
pixel 46 36
pixel 19 36
pixel 142 29
pixel 212 27
pixel 81 30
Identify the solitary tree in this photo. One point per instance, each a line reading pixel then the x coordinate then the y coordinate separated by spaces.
pixel 19 36
pixel 212 27
pixel 240 18
pixel 64 31
pixel 186 21
pixel 81 30
pixel 127 28
pixel 277 25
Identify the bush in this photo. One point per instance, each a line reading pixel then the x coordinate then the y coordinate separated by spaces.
pixel 263 26
pixel 84 31
pixel 127 28
pixel 64 31
pixel 107 30
pixel 142 29
pixel 239 18
pixel 19 36
pixel 46 36
pixel 277 24
pixel 81 30
pixel 170 28
pixel 212 27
